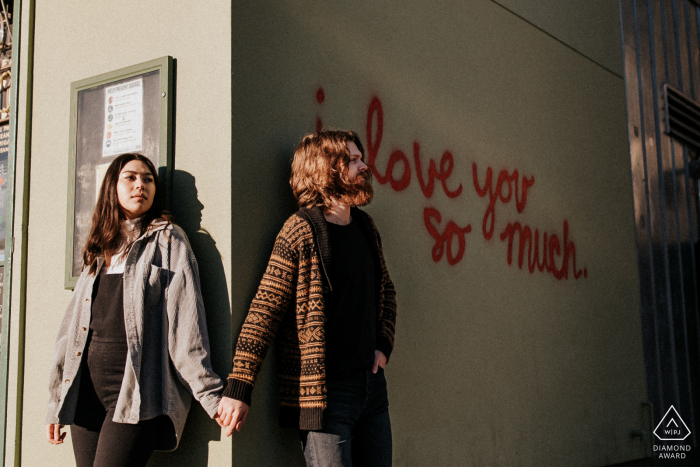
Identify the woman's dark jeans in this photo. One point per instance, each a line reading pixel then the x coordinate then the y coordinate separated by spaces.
pixel 357 429
pixel 97 440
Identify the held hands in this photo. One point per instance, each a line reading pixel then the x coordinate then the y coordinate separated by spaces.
pixel 231 414
pixel 53 433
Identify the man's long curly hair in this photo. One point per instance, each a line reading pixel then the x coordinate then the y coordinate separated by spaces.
pixel 320 170
pixel 105 233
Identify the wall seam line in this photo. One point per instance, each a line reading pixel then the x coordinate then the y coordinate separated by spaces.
pixel 552 36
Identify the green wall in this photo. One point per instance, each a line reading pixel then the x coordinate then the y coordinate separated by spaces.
pixel 493 365
pixel 591 28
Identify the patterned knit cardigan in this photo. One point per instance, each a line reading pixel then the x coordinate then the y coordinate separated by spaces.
pixel 297 278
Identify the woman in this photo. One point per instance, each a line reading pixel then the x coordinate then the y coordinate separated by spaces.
pixel 133 344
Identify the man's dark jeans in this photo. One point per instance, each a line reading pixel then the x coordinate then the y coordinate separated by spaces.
pixel 357 429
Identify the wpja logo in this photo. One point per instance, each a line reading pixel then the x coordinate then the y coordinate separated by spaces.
pixel 672 428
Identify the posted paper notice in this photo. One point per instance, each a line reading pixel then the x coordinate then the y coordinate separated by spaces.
pixel 123 118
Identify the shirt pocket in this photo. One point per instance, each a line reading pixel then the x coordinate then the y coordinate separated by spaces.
pixel 155 287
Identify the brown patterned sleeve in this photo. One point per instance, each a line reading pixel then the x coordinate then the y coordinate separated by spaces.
pixel 387 304
pixel 272 300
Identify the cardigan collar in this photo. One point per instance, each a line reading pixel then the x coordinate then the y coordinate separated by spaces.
pixel 317 220
pixel 314 216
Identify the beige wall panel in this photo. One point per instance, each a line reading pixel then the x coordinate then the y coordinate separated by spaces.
pixel 79 40
pixel 493 365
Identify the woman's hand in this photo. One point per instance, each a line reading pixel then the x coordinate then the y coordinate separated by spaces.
pixel 231 414
pixel 53 433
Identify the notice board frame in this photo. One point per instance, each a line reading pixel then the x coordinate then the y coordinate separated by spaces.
pixel 162 157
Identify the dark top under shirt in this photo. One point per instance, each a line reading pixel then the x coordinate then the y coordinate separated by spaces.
pixel 107 321
pixel 351 316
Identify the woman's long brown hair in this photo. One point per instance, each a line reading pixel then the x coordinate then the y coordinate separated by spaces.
pixel 105 233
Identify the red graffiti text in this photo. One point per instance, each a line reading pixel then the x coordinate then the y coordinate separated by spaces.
pixel 504 180
pixel 545 251
pixel 550 250
pixel 443 241
pixel 401 178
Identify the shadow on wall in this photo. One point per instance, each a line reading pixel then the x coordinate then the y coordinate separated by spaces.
pixel 200 429
pixel 261 202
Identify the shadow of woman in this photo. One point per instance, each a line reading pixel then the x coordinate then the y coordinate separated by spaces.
pixel 200 429
pixel 261 201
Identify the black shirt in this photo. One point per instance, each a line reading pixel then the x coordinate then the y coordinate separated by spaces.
pixel 107 321
pixel 352 312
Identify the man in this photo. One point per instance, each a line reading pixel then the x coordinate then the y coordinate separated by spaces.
pixel 327 293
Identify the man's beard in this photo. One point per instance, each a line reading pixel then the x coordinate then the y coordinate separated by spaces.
pixel 359 192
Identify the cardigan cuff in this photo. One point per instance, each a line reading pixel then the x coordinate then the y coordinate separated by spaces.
pixel 310 419
pixel 239 390
pixel 384 346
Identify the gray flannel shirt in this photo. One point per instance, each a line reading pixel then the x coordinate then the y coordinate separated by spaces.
pixel 165 323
